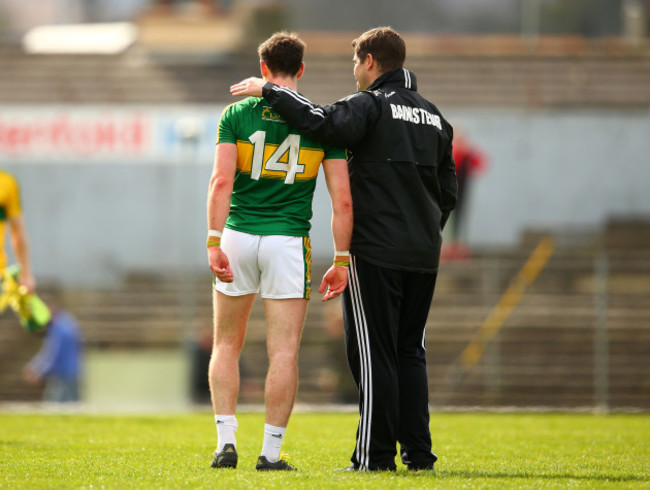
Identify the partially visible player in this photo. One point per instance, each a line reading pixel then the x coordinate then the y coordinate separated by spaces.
pixel 11 213
pixel 259 208
pixel 17 282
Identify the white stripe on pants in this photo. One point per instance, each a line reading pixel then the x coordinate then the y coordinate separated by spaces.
pixel 365 422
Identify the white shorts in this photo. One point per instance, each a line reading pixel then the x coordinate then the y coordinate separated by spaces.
pixel 277 266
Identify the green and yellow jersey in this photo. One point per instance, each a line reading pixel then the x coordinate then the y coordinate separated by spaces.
pixel 276 170
pixel 9 208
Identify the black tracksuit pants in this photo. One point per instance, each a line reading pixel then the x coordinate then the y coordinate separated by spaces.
pixel 384 313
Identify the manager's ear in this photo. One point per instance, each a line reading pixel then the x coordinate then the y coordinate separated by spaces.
pixel 301 70
pixel 371 62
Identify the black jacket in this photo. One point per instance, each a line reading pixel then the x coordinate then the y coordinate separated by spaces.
pixel 401 167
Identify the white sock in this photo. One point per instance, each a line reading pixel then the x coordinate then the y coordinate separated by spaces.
pixel 226 428
pixel 272 442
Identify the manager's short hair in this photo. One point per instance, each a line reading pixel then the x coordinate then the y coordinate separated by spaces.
pixel 384 44
pixel 282 53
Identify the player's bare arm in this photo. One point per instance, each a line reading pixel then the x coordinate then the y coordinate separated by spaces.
pixel 249 87
pixel 335 279
pixel 219 193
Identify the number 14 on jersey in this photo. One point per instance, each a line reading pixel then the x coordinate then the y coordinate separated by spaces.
pixel 291 144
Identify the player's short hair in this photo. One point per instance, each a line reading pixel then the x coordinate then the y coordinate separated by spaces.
pixel 384 44
pixel 282 53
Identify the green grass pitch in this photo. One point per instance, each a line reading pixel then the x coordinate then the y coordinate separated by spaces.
pixel 475 450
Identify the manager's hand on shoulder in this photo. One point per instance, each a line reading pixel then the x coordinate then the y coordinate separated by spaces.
pixel 251 86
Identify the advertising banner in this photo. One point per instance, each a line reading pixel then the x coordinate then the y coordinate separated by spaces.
pixel 98 134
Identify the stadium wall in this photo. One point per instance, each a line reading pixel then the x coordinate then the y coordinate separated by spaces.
pixel 112 190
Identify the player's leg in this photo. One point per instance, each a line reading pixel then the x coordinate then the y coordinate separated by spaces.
pixel 371 313
pixel 285 318
pixel 285 264
pixel 230 320
pixel 232 305
pixel 414 435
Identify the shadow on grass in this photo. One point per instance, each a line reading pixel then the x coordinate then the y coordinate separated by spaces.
pixel 544 476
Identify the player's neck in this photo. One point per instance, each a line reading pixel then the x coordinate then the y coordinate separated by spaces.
pixel 288 82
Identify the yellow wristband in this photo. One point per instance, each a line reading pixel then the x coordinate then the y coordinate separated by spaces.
pixel 342 263
pixel 214 243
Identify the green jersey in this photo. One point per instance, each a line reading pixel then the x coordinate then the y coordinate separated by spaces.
pixel 276 170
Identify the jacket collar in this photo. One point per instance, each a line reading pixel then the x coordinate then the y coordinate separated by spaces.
pixel 401 78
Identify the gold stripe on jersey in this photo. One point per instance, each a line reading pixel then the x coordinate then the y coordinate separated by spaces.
pixel 311 158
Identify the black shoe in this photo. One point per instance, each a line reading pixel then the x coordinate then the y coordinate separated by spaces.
pixel 418 465
pixel 263 464
pixel 226 458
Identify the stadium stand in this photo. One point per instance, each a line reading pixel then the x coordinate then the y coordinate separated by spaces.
pixel 479 72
